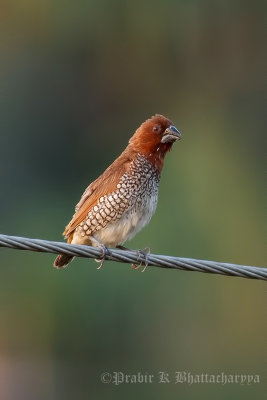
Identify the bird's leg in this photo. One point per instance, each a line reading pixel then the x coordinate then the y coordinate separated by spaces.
pixel 122 248
pixel 145 253
pixel 104 250
pixel 140 253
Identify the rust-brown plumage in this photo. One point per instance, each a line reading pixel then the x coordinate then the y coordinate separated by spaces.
pixel 110 210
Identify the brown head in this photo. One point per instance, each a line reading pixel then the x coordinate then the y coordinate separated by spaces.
pixel 154 138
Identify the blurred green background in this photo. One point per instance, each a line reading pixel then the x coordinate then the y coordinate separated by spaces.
pixel 77 79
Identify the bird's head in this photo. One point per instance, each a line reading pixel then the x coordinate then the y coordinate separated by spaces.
pixel 155 137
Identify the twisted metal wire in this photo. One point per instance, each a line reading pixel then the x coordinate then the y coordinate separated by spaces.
pixel 132 257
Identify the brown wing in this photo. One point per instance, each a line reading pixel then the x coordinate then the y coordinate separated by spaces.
pixel 105 184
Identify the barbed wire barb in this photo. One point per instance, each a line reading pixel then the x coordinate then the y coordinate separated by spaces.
pixel 132 257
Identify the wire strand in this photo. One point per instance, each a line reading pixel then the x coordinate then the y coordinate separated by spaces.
pixel 132 257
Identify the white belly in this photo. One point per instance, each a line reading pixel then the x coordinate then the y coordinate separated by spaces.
pixel 130 223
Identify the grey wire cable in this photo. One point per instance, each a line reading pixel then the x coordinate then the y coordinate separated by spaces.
pixel 131 256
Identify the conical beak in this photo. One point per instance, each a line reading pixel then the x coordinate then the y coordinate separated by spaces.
pixel 170 135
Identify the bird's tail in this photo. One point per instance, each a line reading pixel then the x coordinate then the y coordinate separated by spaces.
pixel 62 260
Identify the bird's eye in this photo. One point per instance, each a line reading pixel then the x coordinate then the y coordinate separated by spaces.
pixel 156 128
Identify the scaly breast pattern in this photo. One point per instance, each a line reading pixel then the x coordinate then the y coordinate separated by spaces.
pixel 118 216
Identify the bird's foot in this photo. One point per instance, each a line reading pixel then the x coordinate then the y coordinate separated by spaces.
pixel 105 251
pixel 145 253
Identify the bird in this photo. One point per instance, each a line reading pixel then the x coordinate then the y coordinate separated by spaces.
pixel 121 201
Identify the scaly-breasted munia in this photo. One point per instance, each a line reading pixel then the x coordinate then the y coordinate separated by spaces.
pixel 123 199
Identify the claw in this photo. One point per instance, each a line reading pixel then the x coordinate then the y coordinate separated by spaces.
pixel 134 266
pixel 105 253
pixel 145 252
pixel 126 249
pixel 104 249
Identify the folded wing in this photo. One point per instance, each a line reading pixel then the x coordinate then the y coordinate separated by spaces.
pixel 105 184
